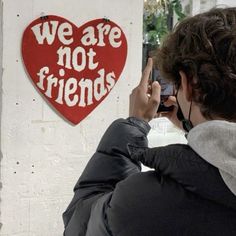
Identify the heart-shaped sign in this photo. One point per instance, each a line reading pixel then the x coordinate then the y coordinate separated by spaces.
pixel 74 68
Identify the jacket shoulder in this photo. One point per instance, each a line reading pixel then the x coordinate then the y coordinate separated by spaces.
pixel 140 199
pixel 148 202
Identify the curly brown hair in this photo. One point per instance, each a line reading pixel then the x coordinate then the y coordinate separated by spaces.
pixel 204 47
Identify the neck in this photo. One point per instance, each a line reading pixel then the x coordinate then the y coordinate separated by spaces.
pixel 196 116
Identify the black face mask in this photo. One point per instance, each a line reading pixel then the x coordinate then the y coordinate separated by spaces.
pixel 186 123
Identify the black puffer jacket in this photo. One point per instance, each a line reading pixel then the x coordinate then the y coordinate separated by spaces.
pixel 184 195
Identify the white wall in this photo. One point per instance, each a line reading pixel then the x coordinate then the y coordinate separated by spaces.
pixel 230 3
pixel 204 5
pixel 42 155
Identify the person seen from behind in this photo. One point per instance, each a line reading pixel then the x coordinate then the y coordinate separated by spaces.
pixel 192 188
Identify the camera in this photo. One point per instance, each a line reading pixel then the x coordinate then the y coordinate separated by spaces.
pixel 167 89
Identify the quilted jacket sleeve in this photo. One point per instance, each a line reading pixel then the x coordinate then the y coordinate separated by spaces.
pixel 109 165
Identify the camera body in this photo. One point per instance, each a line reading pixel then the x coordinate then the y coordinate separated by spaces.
pixel 167 89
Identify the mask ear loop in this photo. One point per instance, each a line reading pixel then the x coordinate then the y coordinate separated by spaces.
pixel 186 123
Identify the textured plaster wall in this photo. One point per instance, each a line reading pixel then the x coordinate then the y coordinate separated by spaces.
pixel 42 155
pixel 0 98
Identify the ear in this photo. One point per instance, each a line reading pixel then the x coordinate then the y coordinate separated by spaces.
pixel 187 89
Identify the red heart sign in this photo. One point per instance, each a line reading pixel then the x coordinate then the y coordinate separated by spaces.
pixel 74 68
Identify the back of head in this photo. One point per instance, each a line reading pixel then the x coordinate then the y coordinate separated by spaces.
pixel 204 47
